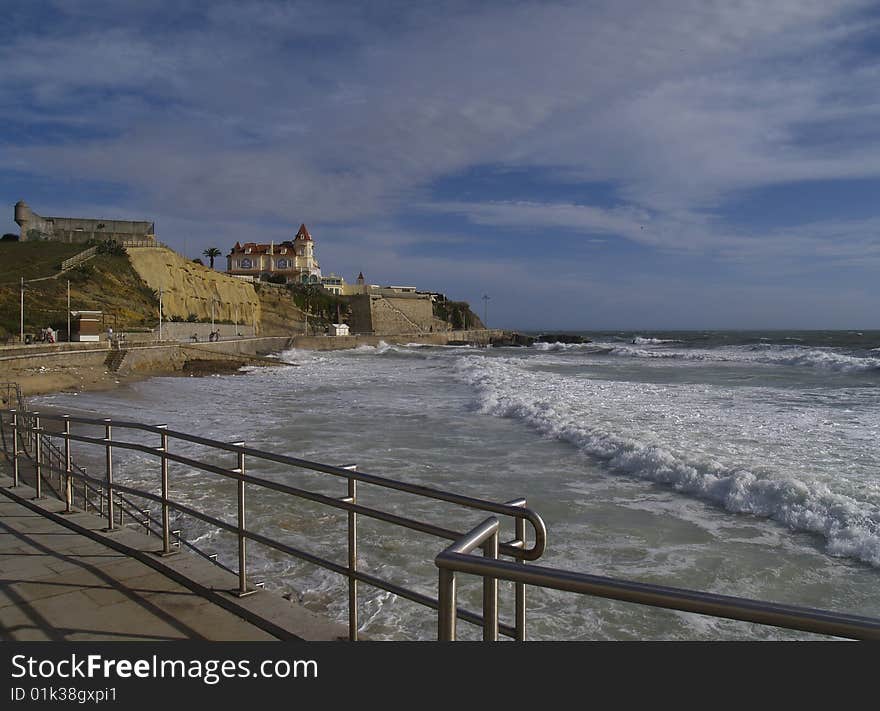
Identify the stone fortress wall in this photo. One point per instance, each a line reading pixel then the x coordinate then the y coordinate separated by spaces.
pixel 386 315
pixel 79 230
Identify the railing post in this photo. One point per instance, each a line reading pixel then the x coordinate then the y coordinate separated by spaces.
pixel 446 606
pixel 352 558
pixel 15 451
pixel 38 458
pixel 166 517
pixel 68 468
pixel 111 524
pixel 520 589
pixel 242 541
pixel 490 593
pixel 519 617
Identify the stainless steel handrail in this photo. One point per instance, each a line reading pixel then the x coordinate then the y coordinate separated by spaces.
pixel 538 527
pixel 30 424
pixel 93 493
pixel 457 558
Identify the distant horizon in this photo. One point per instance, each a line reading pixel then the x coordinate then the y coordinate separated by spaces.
pixel 690 330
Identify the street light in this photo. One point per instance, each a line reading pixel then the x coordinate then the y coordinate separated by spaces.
pixel 486 310
pixel 213 299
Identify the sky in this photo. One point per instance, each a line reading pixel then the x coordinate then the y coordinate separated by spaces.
pixel 586 165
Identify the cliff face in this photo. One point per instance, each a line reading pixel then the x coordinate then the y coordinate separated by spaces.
pixel 188 288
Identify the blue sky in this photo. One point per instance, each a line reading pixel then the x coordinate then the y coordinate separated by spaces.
pixel 634 165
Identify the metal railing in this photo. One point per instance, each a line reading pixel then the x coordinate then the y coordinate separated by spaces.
pixel 30 427
pixel 77 258
pixel 91 497
pixel 458 558
pixel 29 439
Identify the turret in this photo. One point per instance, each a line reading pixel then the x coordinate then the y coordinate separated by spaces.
pixel 22 213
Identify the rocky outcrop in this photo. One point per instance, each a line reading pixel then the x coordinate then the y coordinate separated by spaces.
pixel 560 338
pixel 511 338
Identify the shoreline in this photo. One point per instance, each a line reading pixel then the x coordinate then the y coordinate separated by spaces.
pixel 77 370
pixel 74 370
pixel 48 380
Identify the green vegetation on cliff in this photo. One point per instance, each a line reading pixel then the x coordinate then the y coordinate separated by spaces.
pixel 109 283
pixel 106 283
pixel 457 313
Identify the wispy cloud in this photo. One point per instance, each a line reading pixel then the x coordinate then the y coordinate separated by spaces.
pixel 248 117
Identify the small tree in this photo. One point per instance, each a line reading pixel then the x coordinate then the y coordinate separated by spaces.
pixel 211 253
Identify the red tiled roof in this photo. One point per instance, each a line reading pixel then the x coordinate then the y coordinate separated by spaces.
pixel 261 248
pixel 303 233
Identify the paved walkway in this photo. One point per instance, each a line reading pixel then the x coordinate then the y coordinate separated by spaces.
pixel 61 584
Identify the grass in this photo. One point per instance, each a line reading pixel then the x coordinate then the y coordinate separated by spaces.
pixel 104 283
pixel 33 260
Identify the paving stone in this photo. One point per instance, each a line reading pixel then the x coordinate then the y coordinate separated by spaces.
pixel 58 584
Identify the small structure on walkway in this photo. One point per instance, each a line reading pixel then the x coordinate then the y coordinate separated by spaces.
pixel 85 325
pixel 339 329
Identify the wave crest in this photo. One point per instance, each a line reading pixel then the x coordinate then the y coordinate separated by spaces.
pixel 851 528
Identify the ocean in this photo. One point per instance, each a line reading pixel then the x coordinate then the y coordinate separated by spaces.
pixel 742 463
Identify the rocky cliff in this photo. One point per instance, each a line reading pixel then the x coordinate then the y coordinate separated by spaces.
pixel 188 288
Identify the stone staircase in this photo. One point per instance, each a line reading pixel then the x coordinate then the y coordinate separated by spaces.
pixel 401 316
pixel 114 359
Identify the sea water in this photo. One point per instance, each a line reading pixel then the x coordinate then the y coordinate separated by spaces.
pixel 744 464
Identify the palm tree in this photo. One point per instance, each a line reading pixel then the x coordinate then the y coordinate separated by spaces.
pixel 212 252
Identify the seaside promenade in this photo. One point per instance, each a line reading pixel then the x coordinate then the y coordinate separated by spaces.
pixel 64 579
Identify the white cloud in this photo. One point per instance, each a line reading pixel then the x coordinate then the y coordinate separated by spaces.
pixel 259 115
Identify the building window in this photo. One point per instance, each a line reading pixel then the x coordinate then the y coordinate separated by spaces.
pixel 282 264
pixel 247 263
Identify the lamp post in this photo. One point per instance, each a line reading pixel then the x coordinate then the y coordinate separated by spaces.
pixel 160 313
pixel 21 318
pixel 485 310
pixel 213 299
pixel 68 310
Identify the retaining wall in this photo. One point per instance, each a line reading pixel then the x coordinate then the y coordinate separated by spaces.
pixel 332 343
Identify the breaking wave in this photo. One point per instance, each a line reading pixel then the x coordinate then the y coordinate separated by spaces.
pixel 568 411
pixel 786 355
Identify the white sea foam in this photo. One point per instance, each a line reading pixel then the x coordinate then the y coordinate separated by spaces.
pixel 786 355
pixel 688 440
pixel 642 341
pixel 573 347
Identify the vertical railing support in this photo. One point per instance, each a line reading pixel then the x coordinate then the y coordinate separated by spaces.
pixel 166 516
pixel 38 458
pixel 519 615
pixel 490 593
pixel 68 468
pixel 108 438
pixel 520 589
pixel 16 453
pixel 446 617
pixel 242 541
pixel 352 558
